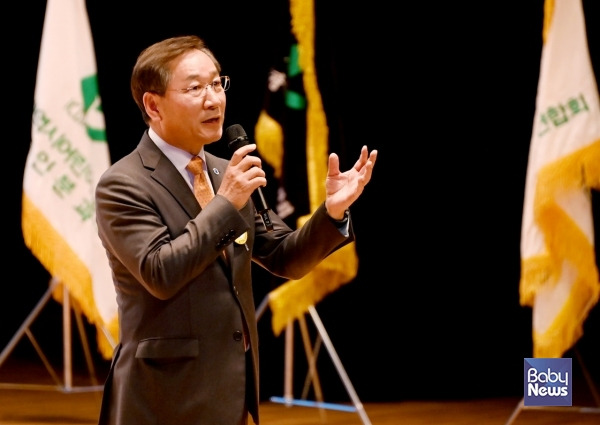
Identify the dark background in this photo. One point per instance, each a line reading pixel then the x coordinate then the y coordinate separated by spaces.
pixel 446 93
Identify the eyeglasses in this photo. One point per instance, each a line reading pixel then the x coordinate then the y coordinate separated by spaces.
pixel 219 85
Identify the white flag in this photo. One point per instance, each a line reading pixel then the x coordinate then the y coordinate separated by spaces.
pixel 68 153
pixel 559 276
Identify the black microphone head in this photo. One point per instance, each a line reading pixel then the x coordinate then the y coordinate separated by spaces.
pixel 237 137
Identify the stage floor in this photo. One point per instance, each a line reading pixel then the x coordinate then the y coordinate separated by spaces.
pixel 28 396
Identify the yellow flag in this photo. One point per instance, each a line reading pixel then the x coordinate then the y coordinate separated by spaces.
pixel 292 299
pixel 67 155
pixel 559 276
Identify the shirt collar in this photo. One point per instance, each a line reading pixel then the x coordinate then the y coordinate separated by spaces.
pixel 178 157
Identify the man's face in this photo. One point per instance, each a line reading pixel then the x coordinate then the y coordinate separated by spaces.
pixel 192 111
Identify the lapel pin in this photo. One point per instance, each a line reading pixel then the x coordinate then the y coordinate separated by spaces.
pixel 242 239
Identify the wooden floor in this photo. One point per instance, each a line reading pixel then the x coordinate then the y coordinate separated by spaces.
pixel 41 401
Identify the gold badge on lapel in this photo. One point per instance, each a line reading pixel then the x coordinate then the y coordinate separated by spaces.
pixel 242 239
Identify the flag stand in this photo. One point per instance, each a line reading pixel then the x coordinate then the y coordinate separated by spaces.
pixel 67 384
pixel 312 377
pixel 577 409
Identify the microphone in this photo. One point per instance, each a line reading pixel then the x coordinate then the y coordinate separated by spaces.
pixel 237 138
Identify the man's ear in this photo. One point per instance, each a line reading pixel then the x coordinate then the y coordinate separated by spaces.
pixel 151 102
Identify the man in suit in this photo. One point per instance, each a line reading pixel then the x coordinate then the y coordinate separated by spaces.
pixel 188 349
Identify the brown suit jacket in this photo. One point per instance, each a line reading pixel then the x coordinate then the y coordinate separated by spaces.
pixel 182 308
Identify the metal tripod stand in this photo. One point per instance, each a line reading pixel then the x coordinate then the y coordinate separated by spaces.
pixel 311 355
pixel 66 384
pixel 579 409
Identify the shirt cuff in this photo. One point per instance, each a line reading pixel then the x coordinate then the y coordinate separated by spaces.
pixel 343 225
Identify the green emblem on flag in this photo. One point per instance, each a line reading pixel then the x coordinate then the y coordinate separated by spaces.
pixel 92 107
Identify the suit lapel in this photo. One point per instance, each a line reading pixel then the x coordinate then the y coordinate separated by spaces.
pixel 216 170
pixel 176 186
pixel 164 172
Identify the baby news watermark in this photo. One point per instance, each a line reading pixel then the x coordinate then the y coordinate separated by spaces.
pixel 548 382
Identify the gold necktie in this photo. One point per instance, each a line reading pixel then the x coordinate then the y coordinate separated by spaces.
pixel 202 188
